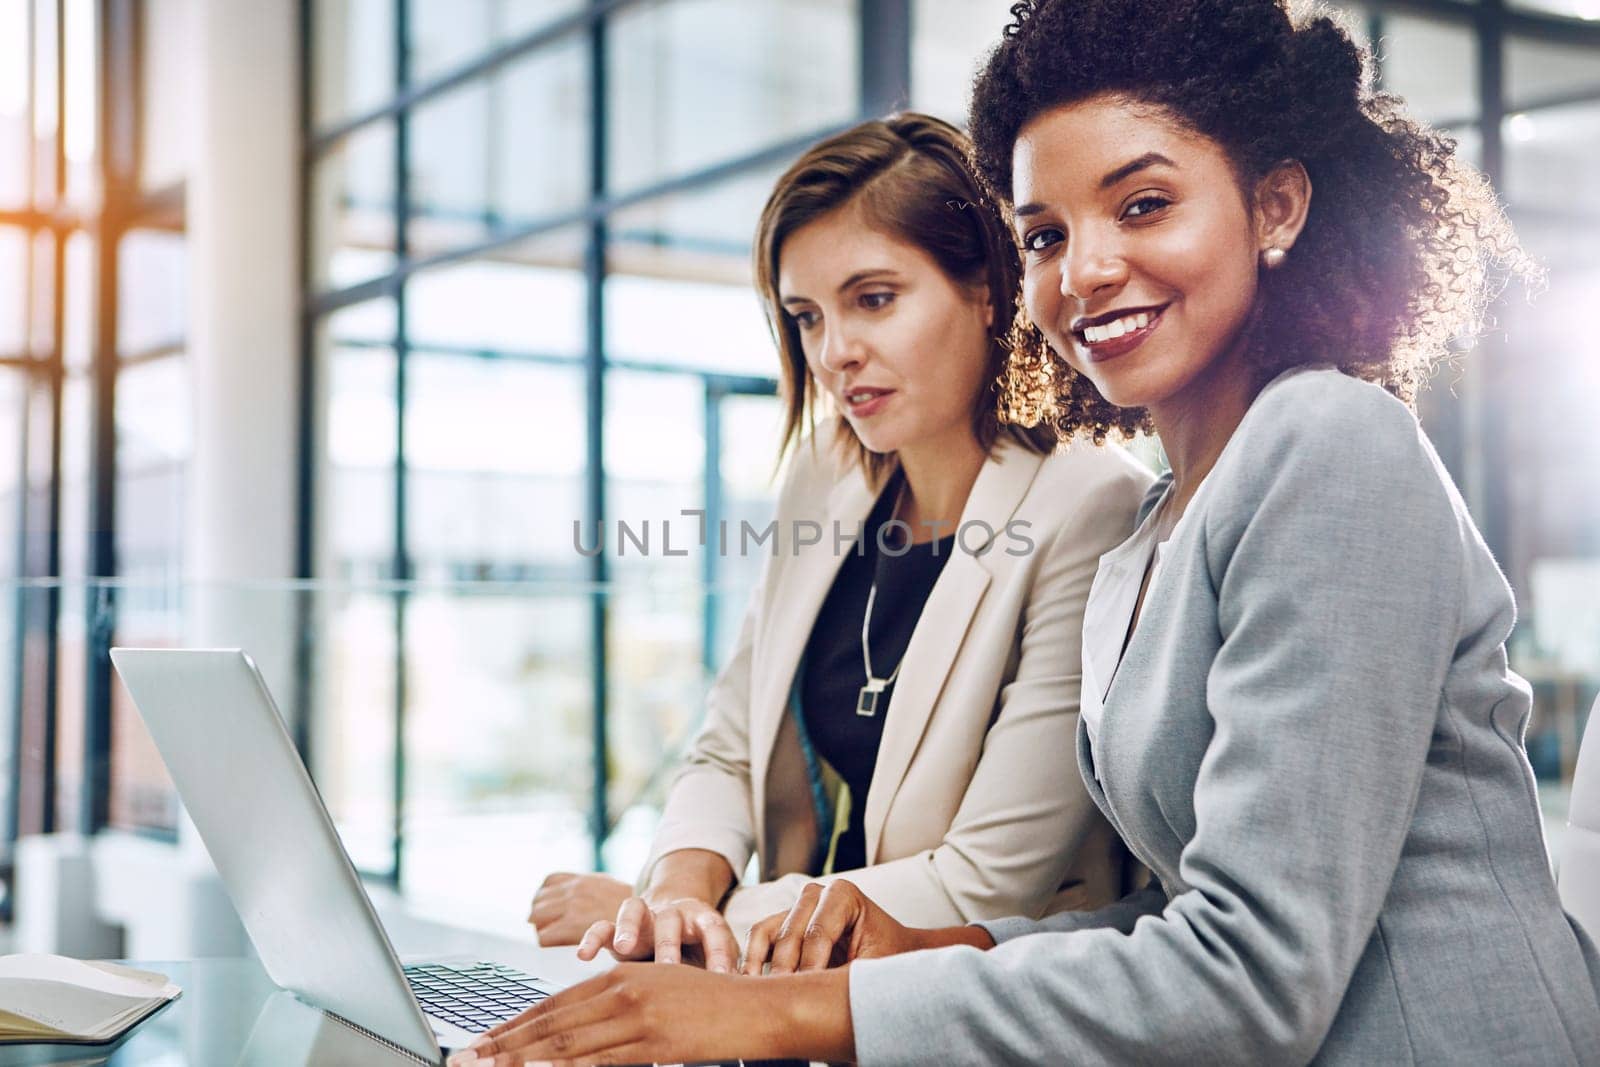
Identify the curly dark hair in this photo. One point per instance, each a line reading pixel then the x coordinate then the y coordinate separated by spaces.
pixel 1404 244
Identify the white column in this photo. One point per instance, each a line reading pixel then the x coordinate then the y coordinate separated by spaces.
pixel 243 335
pixel 242 218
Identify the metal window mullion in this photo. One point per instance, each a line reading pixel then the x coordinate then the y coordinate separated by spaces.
pixel 401 565
pixel 884 54
pixel 1487 431
pixel 596 210
pixel 323 141
pixel 305 473
pixel 114 99
pixel 594 444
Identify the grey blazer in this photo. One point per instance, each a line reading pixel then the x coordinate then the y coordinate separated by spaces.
pixel 1314 742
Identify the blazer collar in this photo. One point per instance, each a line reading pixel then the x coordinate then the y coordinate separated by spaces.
pixel 1002 483
pixel 797 601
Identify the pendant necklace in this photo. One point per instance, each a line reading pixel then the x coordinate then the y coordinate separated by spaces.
pixel 867 698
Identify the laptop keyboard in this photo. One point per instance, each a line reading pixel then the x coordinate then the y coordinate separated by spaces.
pixel 473 996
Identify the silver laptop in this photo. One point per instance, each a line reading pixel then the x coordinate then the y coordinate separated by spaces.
pixel 281 860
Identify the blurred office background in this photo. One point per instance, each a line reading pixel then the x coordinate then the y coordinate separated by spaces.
pixel 323 323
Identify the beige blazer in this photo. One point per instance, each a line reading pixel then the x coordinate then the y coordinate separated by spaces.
pixel 974 810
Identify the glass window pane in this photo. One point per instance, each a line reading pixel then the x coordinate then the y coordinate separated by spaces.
pixel 527 299
pixel 1537 70
pixel 13 291
pixel 751 426
pixel 679 290
pixel 353 677
pixel 949 40
pixel 13 401
pixel 655 469
pixel 361 436
pixel 46 119
pixel 501 152
pixel 78 325
pixel 75 426
pixel 695 82
pixel 1582 9
pixel 164 107
pixel 82 125
pixel 15 128
pixel 1432 66
pixel 352 209
pixel 445 34
pixel 353 720
pixel 1553 169
pixel 353 61
pixel 154 442
pixel 495 452
pixel 41 325
pixel 499 745
pixel 151 305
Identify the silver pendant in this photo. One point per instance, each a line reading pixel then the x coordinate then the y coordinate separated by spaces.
pixel 867 699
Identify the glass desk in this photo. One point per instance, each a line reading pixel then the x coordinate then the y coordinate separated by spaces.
pixel 230 1015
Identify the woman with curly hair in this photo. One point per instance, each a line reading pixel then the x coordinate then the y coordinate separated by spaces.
pixel 899 672
pixel 1297 706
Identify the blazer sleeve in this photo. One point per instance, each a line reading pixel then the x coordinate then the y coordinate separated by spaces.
pixel 1337 558
pixel 1121 915
pixel 1025 812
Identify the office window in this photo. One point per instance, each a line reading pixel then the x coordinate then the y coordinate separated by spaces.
pixel 1433 65
pixel 352 203
pixel 14 292
pixel 695 82
pixel 164 111
pixel 680 288
pixel 353 68
pixel 1537 70
pixel 507 150
pixel 949 41
pixel 445 34
pixel 353 675
pixel 15 121
pixel 153 299
pixel 13 415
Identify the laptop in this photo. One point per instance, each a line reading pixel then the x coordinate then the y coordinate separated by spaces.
pixel 282 863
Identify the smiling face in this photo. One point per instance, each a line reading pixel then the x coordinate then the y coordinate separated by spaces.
pixel 1140 250
pixel 901 348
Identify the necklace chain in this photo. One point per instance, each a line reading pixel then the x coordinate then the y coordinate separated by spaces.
pixel 867 698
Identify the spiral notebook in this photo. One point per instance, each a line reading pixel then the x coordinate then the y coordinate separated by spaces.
pixel 55 999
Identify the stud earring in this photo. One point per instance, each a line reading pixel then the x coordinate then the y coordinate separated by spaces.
pixel 1273 257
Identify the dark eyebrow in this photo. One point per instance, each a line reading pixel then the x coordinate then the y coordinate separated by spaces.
pixel 1149 159
pixel 855 279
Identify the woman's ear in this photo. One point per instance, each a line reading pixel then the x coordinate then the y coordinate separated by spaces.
pixel 1283 197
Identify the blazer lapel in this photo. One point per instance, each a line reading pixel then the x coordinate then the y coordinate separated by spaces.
pixel 792 614
pixel 935 642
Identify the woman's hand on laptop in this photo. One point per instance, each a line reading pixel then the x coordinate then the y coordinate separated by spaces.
pixel 832 924
pixel 566 905
pixel 667 930
pixel 641 1014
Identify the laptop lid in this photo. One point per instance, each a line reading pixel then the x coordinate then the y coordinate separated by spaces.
pixel 270 837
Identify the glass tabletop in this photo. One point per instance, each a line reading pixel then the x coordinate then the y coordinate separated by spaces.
pixel 230 1014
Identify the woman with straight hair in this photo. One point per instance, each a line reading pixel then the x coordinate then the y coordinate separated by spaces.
pixel 1297 707
pixel 899 686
